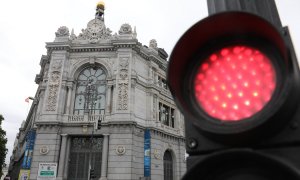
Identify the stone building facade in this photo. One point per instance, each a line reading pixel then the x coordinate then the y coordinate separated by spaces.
pixel 103 104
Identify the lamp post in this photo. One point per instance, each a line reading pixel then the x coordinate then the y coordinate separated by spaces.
pixel 91 99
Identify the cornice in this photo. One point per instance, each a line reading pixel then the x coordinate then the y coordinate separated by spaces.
pixel 108 47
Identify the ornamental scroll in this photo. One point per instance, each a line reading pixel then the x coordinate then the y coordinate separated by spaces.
pixel 123 84
pixel 53 85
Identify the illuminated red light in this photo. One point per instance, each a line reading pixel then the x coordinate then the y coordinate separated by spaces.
pixel 234 83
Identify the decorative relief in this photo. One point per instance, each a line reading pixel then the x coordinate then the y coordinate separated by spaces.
pixel 53 85
pixel 94 32
pixel 156 154
pixel 123 96
pixel 123 84
pixel 62 31
pixel 77 62
pixel 44 150
pixel 124 63
pixel 124 74
pixel 154 106
pixel 52 97
pixel 125 29
pixel 120 150
pixel 56 65
pixel 55 75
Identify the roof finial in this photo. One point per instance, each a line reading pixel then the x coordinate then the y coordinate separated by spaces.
pixel 100 10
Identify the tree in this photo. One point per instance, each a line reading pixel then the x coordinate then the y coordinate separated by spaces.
pixel 3 141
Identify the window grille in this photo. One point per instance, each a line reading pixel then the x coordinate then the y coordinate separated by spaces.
pixel 90 91
pixel 85 151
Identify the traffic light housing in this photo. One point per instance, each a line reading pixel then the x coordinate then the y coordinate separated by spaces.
pixel 97 124
pixel 92 173
pixel 237 84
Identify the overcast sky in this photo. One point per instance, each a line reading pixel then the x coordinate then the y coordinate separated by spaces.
pixel 27 25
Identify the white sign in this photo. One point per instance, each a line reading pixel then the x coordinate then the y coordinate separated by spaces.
pixel 47 171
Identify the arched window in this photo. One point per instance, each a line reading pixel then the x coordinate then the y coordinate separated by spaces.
pixel 90 91
pixel 168 166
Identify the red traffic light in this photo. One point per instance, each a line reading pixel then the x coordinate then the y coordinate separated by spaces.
pixel 234 83
pixel 231 74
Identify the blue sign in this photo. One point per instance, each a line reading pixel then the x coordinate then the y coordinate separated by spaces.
pixel 30 139
pixel 147 153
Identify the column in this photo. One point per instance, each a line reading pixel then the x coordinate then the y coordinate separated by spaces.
pixel 69 99
pixel 65 174
pixel 104 157
pixel 62 156
pixel 108 98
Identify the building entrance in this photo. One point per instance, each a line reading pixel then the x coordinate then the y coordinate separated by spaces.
pixel 85 152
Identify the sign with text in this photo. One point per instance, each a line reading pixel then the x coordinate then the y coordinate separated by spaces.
pixel 24 174
pixel 47 171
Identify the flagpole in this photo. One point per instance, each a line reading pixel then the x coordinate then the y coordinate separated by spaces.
pixel 27 100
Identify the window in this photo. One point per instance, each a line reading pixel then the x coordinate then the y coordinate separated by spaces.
pixel 166 115
pixel 162 82
pixel 168 166
pixel 90 91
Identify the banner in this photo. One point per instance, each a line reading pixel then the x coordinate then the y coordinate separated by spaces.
pixel 147 153
pixel 30 139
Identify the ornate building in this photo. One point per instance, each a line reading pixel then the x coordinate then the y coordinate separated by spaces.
pixel 102 109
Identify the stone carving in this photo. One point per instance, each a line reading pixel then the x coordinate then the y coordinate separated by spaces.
pixel 55 75
pixel 153 44
pixel 123 96
pixel 54 82
pixel 125 29
pixel 44 150
pixel 154 106
pixel 123 74
pixel 94 32
pixel 123 84
pixel 156 154
pixel 124 63
pixel 120 150
pixel 52 97
pixel 56 65
pixel 62 31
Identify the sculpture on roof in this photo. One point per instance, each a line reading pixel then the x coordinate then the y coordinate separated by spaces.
pixel 100 10
pixel 62 31
pixel 96 29
pixel 125 29
pixel 153 44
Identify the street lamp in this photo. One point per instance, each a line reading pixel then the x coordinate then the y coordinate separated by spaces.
pixel 91 99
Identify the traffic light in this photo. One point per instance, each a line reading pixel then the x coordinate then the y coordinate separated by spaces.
pixel 235 80
pixel 97 124
pixel 92 173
